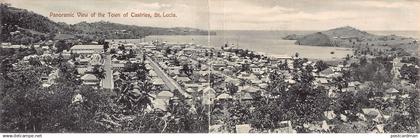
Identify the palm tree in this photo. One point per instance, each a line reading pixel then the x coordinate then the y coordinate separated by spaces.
pixel 231 88
pixel 136 96
pixel 98 71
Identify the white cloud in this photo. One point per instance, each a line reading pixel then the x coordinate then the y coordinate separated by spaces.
pixel 375 15
pixel 385 4
pixel 247 14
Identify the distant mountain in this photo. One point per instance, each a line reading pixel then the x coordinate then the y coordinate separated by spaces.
pixel 115 30
pixel 332 37
pixel 347 32
pixel 21 26
pixel 350 37
pixel 315 39
pixel 293 37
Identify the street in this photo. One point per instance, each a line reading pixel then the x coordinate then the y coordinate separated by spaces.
pixel 107 83
pixel 171 83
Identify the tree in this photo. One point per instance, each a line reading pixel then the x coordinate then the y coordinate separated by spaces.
pixel 113 51
pixel 266 115
pixel 61 45
pixel 363 61
pixel 168 51
pixel 122 48
pixel 186 69
pixel 98 71
pixel 245 68
pixel 105 46
pixel 284 66
pixel 409 73
pixel 101 41
pixel 300 102
pixel 131 54
pixel 320 65
pixel 28 107
pixel 232 88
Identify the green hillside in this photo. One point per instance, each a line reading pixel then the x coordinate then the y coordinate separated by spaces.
pixel 20 26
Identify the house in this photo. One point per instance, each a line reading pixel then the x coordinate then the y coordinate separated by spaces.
pixel 361 116
pixel 227 71
pixel 77 98
pixel 202 80
pixel 326 73
pixel 322 81
pixel 118 66
pixel 189 51
pixel 66 54
pixel 246 97
pixel 373 113
pixel 263 85
pixel 183 59
pixel 183 79
pixel 152 73
pixel 284 127
pixel 159 57
pixel 217 129
pixel 90 79
pixel 5 44
pixel 82 70
pixel 49 80
pixel 203 73
pixel 256 81
pixel 160 104
pixel 195 86
pixel 354 84
pixel 234 81
pixel 158 82
pixel 343 117
pixel 46 49
pixel 255 69
pixel 244 128
pixel 175 68
pixel 164 95
pixel 149 47
pixel 82 61
pixel 219 64
pixel 248 76
pixel 329 115
pixel 209 94
pixel 95 59
pixel 319 126
pixel 190 90
pixel 26 58
pixel 129 46
pixel 87 49
pixel 248 89
pixel 116 74
pixel 379 128
pixel 148 66
pixel 392 92
pixel 14 46
pixel 135 92
pixel 224 96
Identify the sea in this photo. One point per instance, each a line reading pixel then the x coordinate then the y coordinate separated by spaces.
pixel 269 43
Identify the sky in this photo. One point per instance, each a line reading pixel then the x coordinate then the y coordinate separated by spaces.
pixel 244 14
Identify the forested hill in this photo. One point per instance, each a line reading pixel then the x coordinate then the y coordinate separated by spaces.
pixel 21 26
pixel 351 37
pixel 27 19
pixel 115 30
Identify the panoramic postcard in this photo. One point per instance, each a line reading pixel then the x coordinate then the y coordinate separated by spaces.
pixel 209 66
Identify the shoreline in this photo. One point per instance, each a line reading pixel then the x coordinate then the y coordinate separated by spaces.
pixel 297 49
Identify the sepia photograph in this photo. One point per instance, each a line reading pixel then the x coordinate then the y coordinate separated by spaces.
pixel 278 67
